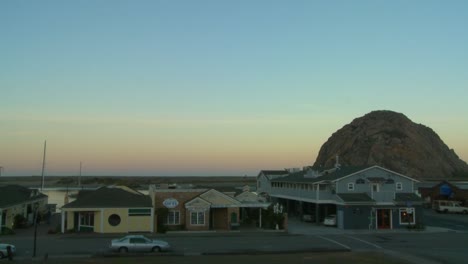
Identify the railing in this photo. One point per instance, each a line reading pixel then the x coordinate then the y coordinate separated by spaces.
pixel 382 197
pixel 301 193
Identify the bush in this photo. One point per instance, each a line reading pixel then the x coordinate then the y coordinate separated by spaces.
pixel 19 221
pixel 55 230
pixel 7 231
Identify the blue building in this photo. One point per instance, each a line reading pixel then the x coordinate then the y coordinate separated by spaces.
pixel 360 197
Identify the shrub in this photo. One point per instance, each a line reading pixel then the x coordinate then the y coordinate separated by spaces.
pixel 7 231
pixel 19 221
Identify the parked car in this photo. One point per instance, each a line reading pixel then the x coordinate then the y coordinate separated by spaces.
pixel 308 218
pixel 330 220
pixel 138 243
pixel 443 206
pixel 4 251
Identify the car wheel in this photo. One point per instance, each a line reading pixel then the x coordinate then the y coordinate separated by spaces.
pixel 445 211
pixel 123 250
pixel 465 212
pixel 156 249
pixel 1 255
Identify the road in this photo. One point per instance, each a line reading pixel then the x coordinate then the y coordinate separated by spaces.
pixel 452 221
pixel 417 247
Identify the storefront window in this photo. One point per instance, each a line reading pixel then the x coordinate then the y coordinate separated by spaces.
pixel 87 219
pixel 173 218
pixel 197 218
pixel 407 216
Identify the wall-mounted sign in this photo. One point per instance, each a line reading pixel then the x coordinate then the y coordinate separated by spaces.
pixel 170 203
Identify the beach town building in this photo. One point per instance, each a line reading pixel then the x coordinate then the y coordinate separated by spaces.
pixel 359 197
pixel 19 200
pixel 112 209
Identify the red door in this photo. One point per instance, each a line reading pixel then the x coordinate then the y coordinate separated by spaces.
pixel 383 218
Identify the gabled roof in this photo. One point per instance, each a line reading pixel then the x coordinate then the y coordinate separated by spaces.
pixel 250 197
pixel 15 194
pixel 218 199
pixel 197 202
pixel 272 173
pixel 300 176
pixel 332 176
pixel 110 197
pixel 381 168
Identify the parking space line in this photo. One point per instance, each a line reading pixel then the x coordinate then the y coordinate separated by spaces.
pixel 366 242
pixel 333 241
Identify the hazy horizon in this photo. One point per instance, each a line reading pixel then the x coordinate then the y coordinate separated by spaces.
pixel 219 87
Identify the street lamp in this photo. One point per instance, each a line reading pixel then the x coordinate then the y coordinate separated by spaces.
pixel 277 209
pixel 36 208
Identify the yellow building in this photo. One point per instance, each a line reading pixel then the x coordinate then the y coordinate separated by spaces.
pixel 19 200
pixel 115 209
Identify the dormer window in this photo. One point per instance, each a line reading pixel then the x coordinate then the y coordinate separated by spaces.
pixel 399 186
pixel 350 186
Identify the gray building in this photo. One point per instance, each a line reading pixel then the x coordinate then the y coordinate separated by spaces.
pixel 360 197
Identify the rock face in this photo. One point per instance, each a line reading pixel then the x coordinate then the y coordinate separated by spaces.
pixel 393 141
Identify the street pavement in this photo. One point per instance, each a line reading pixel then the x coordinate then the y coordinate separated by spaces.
pixel 433 245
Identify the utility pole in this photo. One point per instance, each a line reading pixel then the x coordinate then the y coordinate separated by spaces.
pixel 79 178
pixel 43 165
pixel 1 169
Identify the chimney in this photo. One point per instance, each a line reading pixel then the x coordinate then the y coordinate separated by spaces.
pixel 337 163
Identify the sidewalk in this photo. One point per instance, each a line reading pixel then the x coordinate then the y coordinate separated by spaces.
pixel 297 227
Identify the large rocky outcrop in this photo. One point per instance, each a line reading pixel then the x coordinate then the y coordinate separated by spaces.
pixel 393 141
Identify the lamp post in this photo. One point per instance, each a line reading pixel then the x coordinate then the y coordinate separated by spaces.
pixel 36 207
pixel 277 209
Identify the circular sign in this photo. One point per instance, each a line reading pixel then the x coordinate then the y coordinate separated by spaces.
pixel 170 203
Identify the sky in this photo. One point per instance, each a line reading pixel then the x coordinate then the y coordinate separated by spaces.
pixel 176 88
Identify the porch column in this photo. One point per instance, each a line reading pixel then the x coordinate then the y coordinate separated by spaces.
pixel 62 225
pixel 152 220
pixel 102 220
pixel 260 218
pixel 317 206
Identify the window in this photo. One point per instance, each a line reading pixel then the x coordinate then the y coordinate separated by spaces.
pixel 138 240
pixel 360 181
pixel 197 218
pixel 173 218
pixel 114 220
pixel 350 186
pixel 87 219
pixel 389 181
pixel 407 216
pixel 139 212
pixel 399 186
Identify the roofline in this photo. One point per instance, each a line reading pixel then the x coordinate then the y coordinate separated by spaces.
pixel 372 167
pixel 229 197
pixel 105 207
pixel 25 201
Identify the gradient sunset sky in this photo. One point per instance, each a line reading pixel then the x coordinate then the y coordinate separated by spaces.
pixel 219 87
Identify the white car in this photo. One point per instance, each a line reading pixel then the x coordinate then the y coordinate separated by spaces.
pixel 4 252
pixel 138 243
pixel 330 220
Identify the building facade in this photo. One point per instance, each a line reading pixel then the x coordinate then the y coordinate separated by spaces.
pixel 203 209
pixel 19 200
pixel 115 209
pixel 361 198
